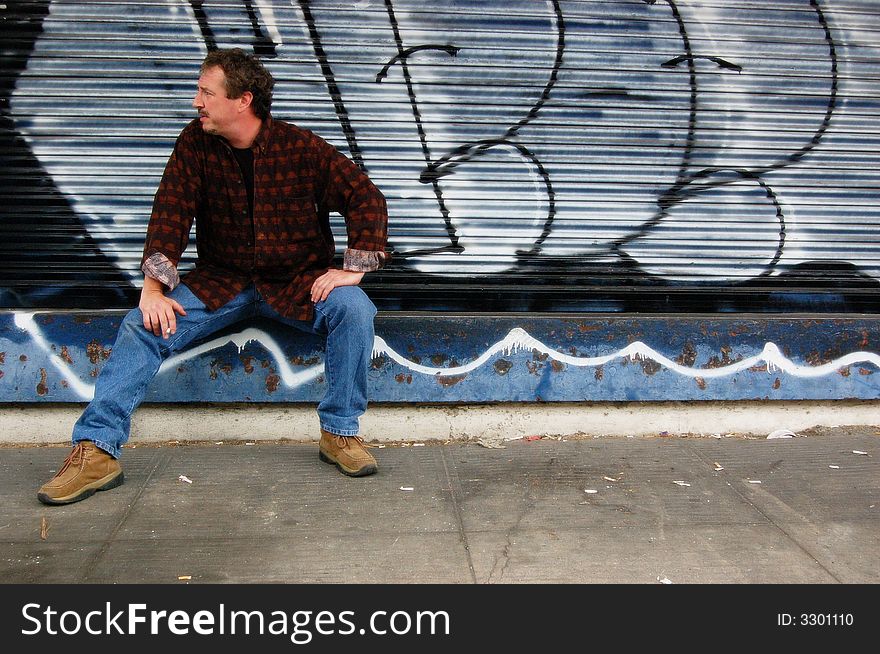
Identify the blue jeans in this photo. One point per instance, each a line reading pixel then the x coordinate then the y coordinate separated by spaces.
pixel 344 319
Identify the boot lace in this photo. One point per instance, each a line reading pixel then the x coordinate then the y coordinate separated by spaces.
pixel 74 458
pixel 342 442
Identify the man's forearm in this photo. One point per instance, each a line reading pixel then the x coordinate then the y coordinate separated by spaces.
pixel 151 284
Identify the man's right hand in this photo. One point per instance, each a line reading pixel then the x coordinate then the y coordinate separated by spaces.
pixel 158 310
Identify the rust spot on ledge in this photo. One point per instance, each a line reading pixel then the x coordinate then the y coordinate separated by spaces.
pixel 451 380
pixel 302 361
pixel 688 355
pixel 43 387
pixel 650 367
pixel 95 352
pixel 65 355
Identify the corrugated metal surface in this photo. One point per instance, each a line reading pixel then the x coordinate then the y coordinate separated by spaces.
pixel 536 155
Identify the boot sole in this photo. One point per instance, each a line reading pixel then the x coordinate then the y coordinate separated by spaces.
pixel 368 469
pixel 84 492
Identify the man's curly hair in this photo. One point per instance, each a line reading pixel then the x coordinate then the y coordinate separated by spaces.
pixel 244 72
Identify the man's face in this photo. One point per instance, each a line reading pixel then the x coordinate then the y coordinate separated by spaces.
pixel 217 112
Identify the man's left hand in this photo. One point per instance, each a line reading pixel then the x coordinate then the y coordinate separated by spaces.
pixel 331 279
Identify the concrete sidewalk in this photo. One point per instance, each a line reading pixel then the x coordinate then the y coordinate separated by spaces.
pixel 607 510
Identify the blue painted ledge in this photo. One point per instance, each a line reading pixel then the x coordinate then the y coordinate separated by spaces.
pixel 55 356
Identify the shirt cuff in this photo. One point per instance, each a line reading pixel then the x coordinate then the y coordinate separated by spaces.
pixel 160 268
pixel 363 260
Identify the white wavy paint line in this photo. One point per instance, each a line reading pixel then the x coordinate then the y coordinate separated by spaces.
pixel 288 376
pixel 517 339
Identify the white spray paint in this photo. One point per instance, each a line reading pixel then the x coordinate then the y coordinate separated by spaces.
pixel 517 339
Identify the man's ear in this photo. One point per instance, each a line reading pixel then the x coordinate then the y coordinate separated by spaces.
pixel 245 100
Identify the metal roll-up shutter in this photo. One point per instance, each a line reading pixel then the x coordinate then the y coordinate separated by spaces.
pixel 580 155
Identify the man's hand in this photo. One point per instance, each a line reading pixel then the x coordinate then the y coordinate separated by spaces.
pixel 158 310
pixel 331 279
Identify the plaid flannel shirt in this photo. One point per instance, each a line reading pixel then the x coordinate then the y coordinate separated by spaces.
pixel 299 178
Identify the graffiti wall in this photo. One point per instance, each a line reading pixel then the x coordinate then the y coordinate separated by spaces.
pixel 57 356
pixel 540 158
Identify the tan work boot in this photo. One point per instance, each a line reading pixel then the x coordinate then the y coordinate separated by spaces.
pixel 86 469
pixel 348 453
